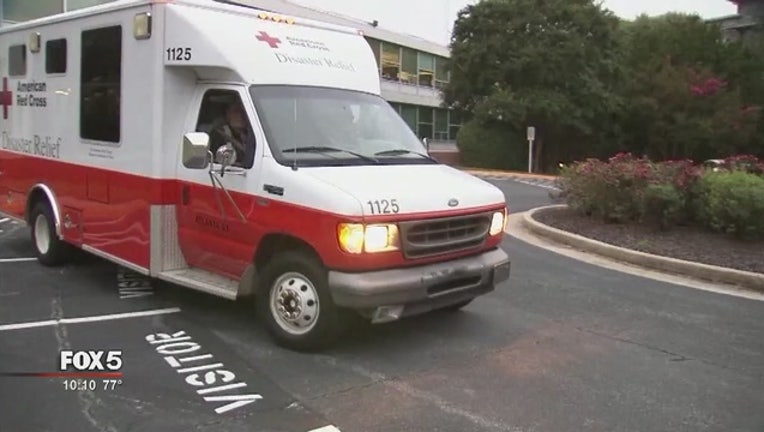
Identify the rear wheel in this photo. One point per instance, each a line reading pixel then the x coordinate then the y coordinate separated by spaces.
pixel 296 304
pixel 49 249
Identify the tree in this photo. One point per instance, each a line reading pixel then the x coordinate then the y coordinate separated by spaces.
pixel 690 94
pixel 551 64
pixel 682 112
pixel 750 66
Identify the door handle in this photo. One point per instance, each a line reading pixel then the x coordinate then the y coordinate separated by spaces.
pixel 184 195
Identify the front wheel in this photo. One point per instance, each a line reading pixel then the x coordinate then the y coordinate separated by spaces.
pixel 50 250
pixel 296 304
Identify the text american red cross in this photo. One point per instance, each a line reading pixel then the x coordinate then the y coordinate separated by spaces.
pixel 270 40
pixel 6 98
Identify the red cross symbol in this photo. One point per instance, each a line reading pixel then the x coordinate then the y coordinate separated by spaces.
pixel 270 40
pixel 6 98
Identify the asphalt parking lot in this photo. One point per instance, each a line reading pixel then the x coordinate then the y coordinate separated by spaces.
pixel 105 308
pixel 562 346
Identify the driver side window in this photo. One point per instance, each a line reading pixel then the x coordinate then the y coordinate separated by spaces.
pixel 223 117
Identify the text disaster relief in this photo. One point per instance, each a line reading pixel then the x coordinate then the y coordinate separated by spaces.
pixel 243 154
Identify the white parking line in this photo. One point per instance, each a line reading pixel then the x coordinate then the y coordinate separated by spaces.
pixel 95 318
pixel 329 428
pixel 15 260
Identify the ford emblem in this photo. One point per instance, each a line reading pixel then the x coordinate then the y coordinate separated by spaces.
pixel 453 202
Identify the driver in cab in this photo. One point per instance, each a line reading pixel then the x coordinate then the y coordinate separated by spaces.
pixel 235 130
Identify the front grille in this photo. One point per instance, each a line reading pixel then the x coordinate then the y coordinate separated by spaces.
pixel 445 235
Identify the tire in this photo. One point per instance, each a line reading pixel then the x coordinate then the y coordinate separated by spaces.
pixel 49 249
pixel 297 283
pixel 457 306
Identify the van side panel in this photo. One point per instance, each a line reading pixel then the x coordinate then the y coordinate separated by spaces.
pixel 119 224
pixel 106 186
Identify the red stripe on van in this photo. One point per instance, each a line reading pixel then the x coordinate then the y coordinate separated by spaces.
pixel 115 217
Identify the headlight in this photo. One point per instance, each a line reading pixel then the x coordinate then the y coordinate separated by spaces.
pixel 357 238
pixel 498 223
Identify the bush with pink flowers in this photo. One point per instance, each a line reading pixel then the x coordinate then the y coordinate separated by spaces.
pixel 627 188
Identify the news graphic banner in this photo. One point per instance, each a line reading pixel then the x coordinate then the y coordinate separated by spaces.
pixel 83 370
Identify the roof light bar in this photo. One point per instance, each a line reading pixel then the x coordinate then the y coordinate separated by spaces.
pixel 264 13
pixel 275 18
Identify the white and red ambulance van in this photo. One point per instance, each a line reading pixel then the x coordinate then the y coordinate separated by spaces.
pixel 240 153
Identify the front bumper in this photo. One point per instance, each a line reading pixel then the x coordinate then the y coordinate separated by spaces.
pixel 423 288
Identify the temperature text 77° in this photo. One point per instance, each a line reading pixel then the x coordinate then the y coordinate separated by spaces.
pixel 111 384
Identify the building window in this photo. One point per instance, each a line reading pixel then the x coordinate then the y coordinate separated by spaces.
pixel 101 84
pixel 55 56
pixel 376 46
pixel 426 69
pixel 17 60
pixel 25 10
pixel 425 129
pixel 441 124
pixel 409 114
pixel 409 66
pixel 455 119
pixel 441 72
pixel 396 107
pixel 391 61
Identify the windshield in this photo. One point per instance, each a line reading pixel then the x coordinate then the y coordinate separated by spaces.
pixel 313 126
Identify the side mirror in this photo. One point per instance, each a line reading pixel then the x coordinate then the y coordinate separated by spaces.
pixel 196 147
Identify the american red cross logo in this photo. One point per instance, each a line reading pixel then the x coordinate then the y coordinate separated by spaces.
pixel 6 98
pixel 270 40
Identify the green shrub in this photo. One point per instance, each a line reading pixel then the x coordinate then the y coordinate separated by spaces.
pixel 683 175
pixel 490 146
pixel 610 190
pixel 626 188
pixel 662 206
pixel 732 202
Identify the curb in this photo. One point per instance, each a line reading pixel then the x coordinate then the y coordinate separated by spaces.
pixel 508 174
pixel 744 279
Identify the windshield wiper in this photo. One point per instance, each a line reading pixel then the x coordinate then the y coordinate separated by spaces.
pixel 327 149
pixel 397 152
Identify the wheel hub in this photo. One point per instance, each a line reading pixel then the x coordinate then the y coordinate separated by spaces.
pixel 290 304
pixel 41 234
pixel 294 303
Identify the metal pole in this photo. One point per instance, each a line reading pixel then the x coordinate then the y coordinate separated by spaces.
pixel 530 156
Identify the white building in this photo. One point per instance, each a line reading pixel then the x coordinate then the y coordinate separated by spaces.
pixel 411 69
pixel 745 24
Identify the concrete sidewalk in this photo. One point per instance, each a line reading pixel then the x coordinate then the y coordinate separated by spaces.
pixel 508 174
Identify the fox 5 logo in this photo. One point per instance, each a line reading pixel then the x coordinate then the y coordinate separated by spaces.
pixel 98 360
